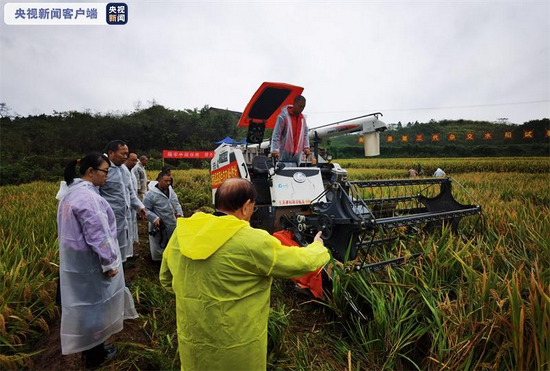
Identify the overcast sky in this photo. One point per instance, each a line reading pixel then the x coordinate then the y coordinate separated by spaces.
pixel 410 60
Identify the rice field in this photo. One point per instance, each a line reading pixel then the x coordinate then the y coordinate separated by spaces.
pixel 480 302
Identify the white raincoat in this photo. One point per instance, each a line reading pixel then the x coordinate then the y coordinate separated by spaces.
pixel 118 192
pixel 284 139
pixel 160 206
pixel 93 304
pixel 133 221
pixel 439 173
pixel 141 176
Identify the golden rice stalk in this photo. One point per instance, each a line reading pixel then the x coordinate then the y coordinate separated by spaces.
pixel 27 293
pixel 24 325
pixel 26 313
pixel 40 322
pixel 6 312
pixel 6 363
pixel 45 297
pixel 14 340
pixel 54 312
pixel 2 326
pixel 27 361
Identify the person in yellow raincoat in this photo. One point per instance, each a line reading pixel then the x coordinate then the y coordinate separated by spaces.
pixel 221 270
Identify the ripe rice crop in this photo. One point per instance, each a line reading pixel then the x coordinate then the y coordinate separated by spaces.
pixel 28 265
pixel 454 165
pixel 471 302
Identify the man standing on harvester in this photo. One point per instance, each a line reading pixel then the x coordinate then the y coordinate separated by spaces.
pixel 290 135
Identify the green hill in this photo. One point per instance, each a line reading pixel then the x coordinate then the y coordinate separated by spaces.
pixel 348 146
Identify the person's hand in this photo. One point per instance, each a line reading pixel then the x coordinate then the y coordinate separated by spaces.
pixel 275 153
pixel 112 273
pixel 307 151
pixel 179 216
pixel 143 213
pixel 157 224
pixel 318 238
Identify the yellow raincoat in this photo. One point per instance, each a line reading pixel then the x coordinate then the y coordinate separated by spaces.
pixel 221 271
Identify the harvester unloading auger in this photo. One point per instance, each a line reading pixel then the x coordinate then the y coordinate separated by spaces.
pixel 354 216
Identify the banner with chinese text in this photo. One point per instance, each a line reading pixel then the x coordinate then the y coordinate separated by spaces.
pixel 187 154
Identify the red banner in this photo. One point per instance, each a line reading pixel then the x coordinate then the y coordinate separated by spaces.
pixel 223 173
pixel 187 154
pixel 453 137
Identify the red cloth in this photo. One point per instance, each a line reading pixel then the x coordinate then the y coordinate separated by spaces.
pixel 296 129
pixel 312 281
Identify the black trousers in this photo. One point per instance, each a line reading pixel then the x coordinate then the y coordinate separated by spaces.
pixel 95 356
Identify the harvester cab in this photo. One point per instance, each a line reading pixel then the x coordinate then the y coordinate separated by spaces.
pixel 354 216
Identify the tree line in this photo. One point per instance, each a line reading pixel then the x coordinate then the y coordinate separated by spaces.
pixel 38 147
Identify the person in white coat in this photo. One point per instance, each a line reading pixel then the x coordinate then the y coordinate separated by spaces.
pixel 130 164
pixel 290 135
pixel 94 298
pixel 163 208
pixel 439 173
pixel 141 176
pixel 117 190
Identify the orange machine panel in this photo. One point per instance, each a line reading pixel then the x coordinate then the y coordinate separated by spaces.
pixel 267 102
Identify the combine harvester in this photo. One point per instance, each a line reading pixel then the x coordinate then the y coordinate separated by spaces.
pixel 354 216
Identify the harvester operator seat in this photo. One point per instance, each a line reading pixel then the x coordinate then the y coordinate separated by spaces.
pixel 260 165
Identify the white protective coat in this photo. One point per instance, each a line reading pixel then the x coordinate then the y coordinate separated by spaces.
pixel 160 206
pixel 133 230
pixel 93 304
pixel 141 176
pixel 118 192
pixel 439 173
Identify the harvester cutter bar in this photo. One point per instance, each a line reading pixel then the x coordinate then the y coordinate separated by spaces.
pixel 378 242
pixel 398 182
pixel 407 220
pixel 378 266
